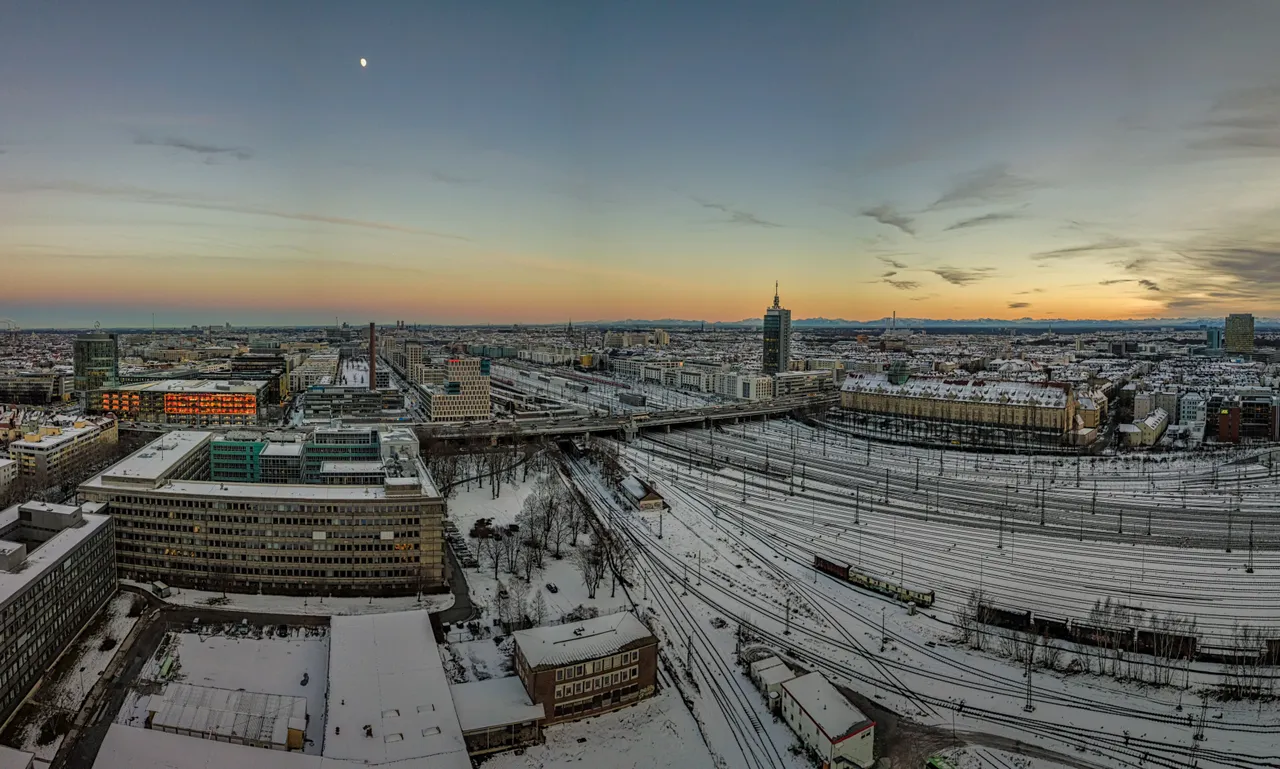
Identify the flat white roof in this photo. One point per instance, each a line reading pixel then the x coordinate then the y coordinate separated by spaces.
pixel 255 716
pixel 385 672
pixel 495 702
pixel 282 450
pixel 248 386
pixel 826 706
pixel 65 433
pixel 131 747
pixel 353 467
pixel 576 641
pixel 155 460
pixel 11 758
pixel 47 555
pixel 298 492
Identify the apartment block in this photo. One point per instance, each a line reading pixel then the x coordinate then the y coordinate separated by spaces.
pixel 195 402
pixel 34 388
pixel 53 452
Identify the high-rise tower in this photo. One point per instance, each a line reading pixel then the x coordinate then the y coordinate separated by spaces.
pixel 777 336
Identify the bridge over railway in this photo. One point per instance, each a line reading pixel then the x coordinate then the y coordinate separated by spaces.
pixel 627 426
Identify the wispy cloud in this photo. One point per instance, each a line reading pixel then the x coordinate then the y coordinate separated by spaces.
pixel 892 217
pixel 736 215
pixel 894 263
pixel 961 276
pixel 904 285
pixel 1244 121
pixel 143 195
pixel 1149 285
pixel 978 221
pixel 1106 244
pixel 1029 291
pixel 208 151
pixel 1019 305
pixel 995 183
pixel 1114 281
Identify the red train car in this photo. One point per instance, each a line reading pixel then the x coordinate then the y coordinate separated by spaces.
pixel 838 570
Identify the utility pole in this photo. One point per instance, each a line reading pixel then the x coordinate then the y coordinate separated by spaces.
pixel 917 473
pixel 857 504
pixel 1249 568
pixel 661 510
pixel 1030 654
pixel 1041 502
pixel 886 485
pixel 884 638
pixel 1229 526
pixel 788 630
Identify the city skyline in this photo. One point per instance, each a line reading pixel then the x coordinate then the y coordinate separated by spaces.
pixel 238 163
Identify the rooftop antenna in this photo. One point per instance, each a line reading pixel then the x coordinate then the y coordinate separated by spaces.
pixel 775 294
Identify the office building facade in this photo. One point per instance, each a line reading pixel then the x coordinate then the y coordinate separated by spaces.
pixel 464 395
pixel 59 569
pixel 1239 333
pixel 582 669
pixel 174 523
pixel 34 388
pixel 96 360
pixel 777 337
pixel 195 402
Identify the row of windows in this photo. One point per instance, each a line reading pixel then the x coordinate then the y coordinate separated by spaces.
pixel 142 573
pixel 261 507
pixel 584 705
pixel 598 666
pixel 599 682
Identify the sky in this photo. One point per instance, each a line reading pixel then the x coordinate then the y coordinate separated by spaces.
pixel 507 161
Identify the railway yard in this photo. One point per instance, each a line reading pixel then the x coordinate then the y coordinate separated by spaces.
pixel 1143 591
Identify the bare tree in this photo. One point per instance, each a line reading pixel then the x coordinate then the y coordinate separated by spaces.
pixel 560 528
pixel 519 594
pixel 538 611
pixel 592 564
pixel 621 556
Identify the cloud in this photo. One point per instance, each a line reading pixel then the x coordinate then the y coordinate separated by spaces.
pixel 1106 244
pixel 1149 285
pixel 143 195
pixel 736 215
pixel 922 297
pixel 1245 121
pixel 1019 305
pixel 209 151
pixel 1031 291
pixel 889 274
pixel 904 285
pixel 960 276
pixel 992 184
pixel 888 215
pixel 1114 281
pixel 978 221
pixel 894 263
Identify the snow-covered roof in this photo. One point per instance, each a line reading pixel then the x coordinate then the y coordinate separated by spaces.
pixel 495 702
pixel 254 716
pixel 577 641
pixel 385 672
pixel 131 747
pixel 238 386
pixel 282 450
pixel 634 487
pixel 969 390
pixel 826 706
pixel 368 468
pixel 48 555
pixel 11 758
pixel 155 460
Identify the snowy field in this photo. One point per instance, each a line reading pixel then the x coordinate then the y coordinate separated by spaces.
pixel 298 605
pixel 750 563
pixel 270 665
pixel 468 506
pixel 87 661
pixel 657 733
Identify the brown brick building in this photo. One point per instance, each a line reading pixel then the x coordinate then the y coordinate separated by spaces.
pixel 586 668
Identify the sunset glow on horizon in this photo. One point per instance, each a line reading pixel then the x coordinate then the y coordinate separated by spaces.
pixel 1103 161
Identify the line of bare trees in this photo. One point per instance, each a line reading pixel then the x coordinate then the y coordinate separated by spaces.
pixel 461 464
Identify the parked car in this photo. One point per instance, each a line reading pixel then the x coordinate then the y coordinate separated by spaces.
pixel 551 588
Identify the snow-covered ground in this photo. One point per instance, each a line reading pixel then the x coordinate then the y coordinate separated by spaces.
pixel 755 570
pixel 270 665
pixel 993 758
pixel 657 733
pixel 298 605
pixel 468 506
pixel 87 662
pixel 354 372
